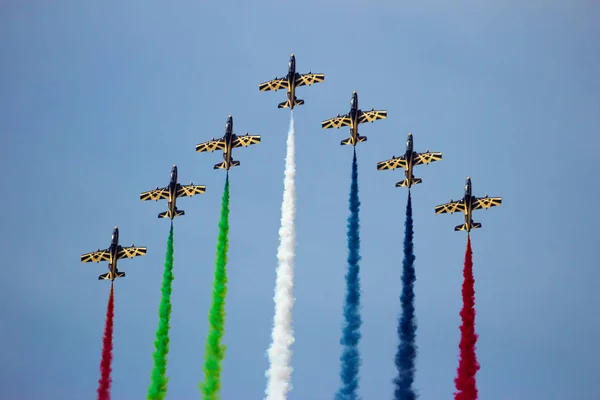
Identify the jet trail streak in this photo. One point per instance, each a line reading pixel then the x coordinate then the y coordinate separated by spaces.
pixel 466 385
pixel 107 348
pixel 279 374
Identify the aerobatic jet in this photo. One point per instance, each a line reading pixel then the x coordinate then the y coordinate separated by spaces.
pixel 408 161
pixel 467 205
pixel 352 119
pixel 227 143
pixel 171 193
pixel 112 254
pixel 290 82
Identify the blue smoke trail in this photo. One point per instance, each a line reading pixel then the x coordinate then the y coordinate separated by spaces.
pixel 407 326
pixel 350 334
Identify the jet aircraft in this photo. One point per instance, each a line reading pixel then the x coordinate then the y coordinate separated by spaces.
pixel 227 143
pixel 352 119
pixel 408 161
pixel 112 254
pixel 467 205
pixel 290 82
pixel 171 193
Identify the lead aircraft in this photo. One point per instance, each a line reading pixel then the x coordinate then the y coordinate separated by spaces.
pixel 290 82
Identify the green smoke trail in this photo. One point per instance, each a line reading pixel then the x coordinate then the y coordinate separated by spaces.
pixel 214 350
pixel 158 386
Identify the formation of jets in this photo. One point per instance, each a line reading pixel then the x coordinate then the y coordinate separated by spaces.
pixel 230 140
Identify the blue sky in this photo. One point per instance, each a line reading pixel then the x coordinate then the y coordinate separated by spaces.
pixel 99 100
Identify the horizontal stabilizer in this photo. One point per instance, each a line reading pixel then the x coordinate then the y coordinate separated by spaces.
pixel 167 214
pixel 286 104
pixel 108 276
pixel 350 141
pixel 223 165
pixel 404 183
pixel 463 227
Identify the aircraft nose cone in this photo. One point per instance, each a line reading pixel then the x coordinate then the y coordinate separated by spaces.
pixel 229 116
pixel 292 54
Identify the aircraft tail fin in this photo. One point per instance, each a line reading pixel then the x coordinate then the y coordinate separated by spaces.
pixel 223 165
pixel 350 141
pixel 108 275
pixel 167 214
pixel 287 103
pixel 404 183
pixel 463 227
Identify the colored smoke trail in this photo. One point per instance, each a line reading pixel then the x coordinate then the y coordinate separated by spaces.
pixel 351 333
pixel 158 386
pixel 215 351
pixel 279 374
pixel 466 386
pixel 407 326
pixel 107 347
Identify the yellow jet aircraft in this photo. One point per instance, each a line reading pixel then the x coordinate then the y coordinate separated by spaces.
pixel 290 82
pixel 112 254
pixel 467 205
pixel 408 161
pixel 171 193
pixel 352 119
pixel 227 143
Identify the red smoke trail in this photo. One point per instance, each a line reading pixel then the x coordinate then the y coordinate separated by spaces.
pixel 466 386
pixel 107 346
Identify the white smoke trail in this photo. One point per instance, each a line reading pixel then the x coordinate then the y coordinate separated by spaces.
pixel 279 374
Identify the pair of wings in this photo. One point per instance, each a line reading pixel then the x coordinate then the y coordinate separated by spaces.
pixel 122 252
pixel 460 206
pixel 282 83
pixel 402 162
pixel 219 144
pixel 346 120
pixel 182 191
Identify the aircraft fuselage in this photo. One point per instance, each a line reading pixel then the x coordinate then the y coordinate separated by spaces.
pixel 229 138
pixel 291 78
pixel 173 190
pixel 113 249
pixel 468 199
pixel 409 156
pixel 354 116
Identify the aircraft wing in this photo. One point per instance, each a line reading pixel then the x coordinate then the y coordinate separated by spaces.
pixel 246 140
pixel 426 158
pixel 452 207
pixel 370 116
pixel 130 252
pixel 308 79
pixel 156 194
pixel 396 162
pixel 190 190
pixel 211 145
pixel 337 122
pixel 275 84
pixel 96 256
pixel 486 202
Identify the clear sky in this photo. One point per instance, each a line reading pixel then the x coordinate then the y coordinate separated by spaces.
pixel 99 100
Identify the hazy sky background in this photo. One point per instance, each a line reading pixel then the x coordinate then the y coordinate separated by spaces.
pixel 99 99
